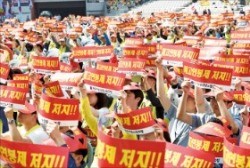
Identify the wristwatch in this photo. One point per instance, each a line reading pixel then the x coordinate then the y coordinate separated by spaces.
pixel 12 121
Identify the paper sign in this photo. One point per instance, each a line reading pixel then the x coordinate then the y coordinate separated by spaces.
pixel 235 156
pixel 214 129
pixel 114 152
pixel 12 96
pixel 4 72
pixel 240 35
pixel 106 66
pixel 245 137
pixel 137 122
pixel 152 48
pixel 65 67
pixel 92 53
pixel 206 143
pixel 207 53
pixel 23 84
pixel 192 40
pixel 65 112
pixel 239 97
pixel 132 66
pixel 247 97
pixel 241 59
pixel 21 77
pixel 104 81
pixel 175 55
pixel 150 63
pixel 241 46
pixel 36 88
pixel 22 155
pixel 207 76
pixel 67 80
pixel 135 52
pixel 214 42
pixel 178 156
pixel 133 41
pixel 45 65
pixel 54 88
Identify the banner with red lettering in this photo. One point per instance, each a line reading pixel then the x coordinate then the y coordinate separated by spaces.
pixel 132 66
pixel 179 156
pixel 92 53
pixel 135 52
pixel 65 112
pixel 54 88
pixel 67 81
pixel 207 76
pixel 207 143
pixel 240 35
pixel 4 72
pixel 133 41
pixel 245 137
pixel 114 152
pixel 104 81
pixel 175 55
pixel 45 65
pixel 23 84
pixel 22 155
pixel 214 129
pixel 12 96
pixel 21 77
pixel 211 42
pixel 106 66
pixel 137 122
pixel 235 156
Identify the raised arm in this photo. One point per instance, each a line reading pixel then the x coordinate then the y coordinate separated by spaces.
pixel 199 100
pixel 181 110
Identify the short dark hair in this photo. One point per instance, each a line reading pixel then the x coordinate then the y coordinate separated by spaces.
pixel 138 93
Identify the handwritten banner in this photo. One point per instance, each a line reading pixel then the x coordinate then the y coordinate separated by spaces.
pixel 4 72
pixel 12 96
pixel 235 156
pixel 245 137
pixel 54 88
pixel 206 143
pixel 45 65
pixel 114 152
pixel 87 52
pixel 214 129
pixel 23 84
pixel 178 156
pixel 207 76
pixel 132 66
pixel 104 81
pixel 106 66
pixel 175 55
pixel 133 41
pixel 137 122
pixel 65 112
pixel 67 80
pixel 135 52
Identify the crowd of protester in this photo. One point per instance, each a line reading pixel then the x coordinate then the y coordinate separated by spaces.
pixel 178 105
